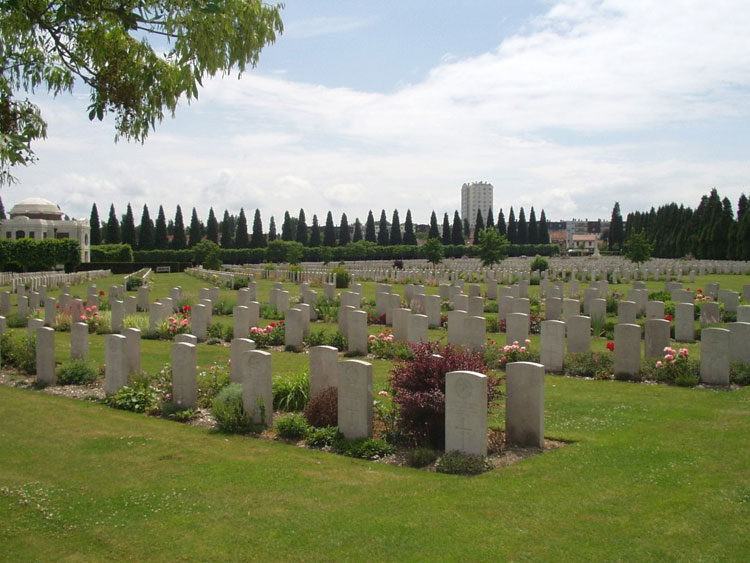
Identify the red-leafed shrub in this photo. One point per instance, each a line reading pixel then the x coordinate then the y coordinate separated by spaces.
pixel 323 409
pixel 418 387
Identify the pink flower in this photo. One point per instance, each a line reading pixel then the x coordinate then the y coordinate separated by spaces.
pixel 96 325
pixel 83 318
pixel 503 359
pixel 669 357
pixel 88 309
pixel 684 352
pixel 371 338
pixel 93 307
pixel 527 341
pixel 515 343
pixel 383 393
pixel 523 348
pixel 659 364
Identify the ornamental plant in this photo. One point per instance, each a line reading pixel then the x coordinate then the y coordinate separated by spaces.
pixel 384 346
pixel 516 353
pixel 271 335
pixel 418 388
pixel 172 326
pixel 677 367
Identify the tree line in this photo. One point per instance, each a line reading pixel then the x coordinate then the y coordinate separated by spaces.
pixel 232 231
pixel 712 231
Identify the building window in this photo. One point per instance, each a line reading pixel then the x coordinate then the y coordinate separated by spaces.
pixel 20 234
pixel 32 234
pixel 44 234
pixel 8 235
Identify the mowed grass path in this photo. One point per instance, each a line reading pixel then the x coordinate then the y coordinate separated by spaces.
pixel 652 472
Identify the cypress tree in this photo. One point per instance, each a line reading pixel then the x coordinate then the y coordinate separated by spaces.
pixel 146 231
pixel 395 229
pixel 286 228
pixel 357 231
pixel 257 240
pixel 383 230
pixel 113 227
pixel 742 206
pixel 302 228
pixel 170 228
pixel 512 232
pixel 370 228
pixel 467 228
pixel 544 229
pixel 457 233
pixel 195 229
pixel 434 233
pixel 533 235
pixel 212 227
pixel 96 229
pixel 501 227
pixel 272 229
pixel 490 220
pixel 522 228
pixel 329 232
pixel 128 229
pixel 409 237
pixel 179 240
pixel 227 231
pixel 344 235
pixel 241 238
pixel 616 235
pixel 160 231
pixel 478 226
pixel 315 233
pixel 447 237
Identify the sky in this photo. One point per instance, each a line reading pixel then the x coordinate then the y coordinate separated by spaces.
pixel 566 106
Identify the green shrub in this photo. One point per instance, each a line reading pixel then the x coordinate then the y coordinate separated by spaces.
pixel 220 331
pixel 539 264
pixel 292 427
pixel 363 448
pixel 76 372
pixel 291 392
pixel 589 364
pixel 342 278
pixel 338 340
pixel 228 411
pixel 173 411
pixel 139 396
pixel 111 253
pixel 739 373
pixel 136 321
pixel 19 351
pixel 13 320
pixel 224 307
pixel 211 382
pixel 323 437
pixel 459 463
pixel 421 457
pixel 323 409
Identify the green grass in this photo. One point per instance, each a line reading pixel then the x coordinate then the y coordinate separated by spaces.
pixel 654 473
pixel 651 472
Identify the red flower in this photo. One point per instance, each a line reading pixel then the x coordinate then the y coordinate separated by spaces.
pixel 669 318
pixel 272 325
pixel 611 346
pixel 101 292
pixel 700 290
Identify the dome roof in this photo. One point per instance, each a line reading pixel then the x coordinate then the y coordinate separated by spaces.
pixel 36 207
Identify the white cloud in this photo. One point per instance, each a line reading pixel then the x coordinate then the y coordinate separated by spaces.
pixel 568 115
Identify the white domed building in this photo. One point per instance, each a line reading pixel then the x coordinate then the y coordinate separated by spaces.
pixel 39 218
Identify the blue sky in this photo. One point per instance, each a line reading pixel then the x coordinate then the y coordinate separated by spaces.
pixel 564 105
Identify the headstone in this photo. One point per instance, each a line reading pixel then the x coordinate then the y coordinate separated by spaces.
pixel 355 399
pixel 504 307
pixel 476 306
pixel 598 310
pixel 524 404
pixel 257 386
pixel 657 337
pixel 243 297
pixel 461 303
pixel 23 306
pixel 79 341
pixel 571 308
pixel 432 310
pixel 731 300
pixel 45 355
pixel 522 305
pixel 684 322
pixel 401 324
pixel 357 332
pixel 627 311
pixel 578 334
pixel 33 324
pixel 739 342
pixel 627 356
pixel 710 312
pixel 743 314
pixel 417 330
pixel 117 311
pixel 131 307
pixel 466 412
pixel 553 345
pixel 143 299
pixel 186 338
pixel 241 321
pixel 655 310
pixel 553 309
pixel 115 375
pixel 323 366
pixel 715 356
pixel 199 321
pixel 132 352
pixel 456 327
pixel 344 317
pixel 517 328
pixel 184 376
pixel 238 347
pixel 5 303
pixel 50 312
pixel 475 333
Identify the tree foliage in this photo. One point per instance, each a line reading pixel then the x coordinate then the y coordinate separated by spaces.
pixel 146 231
pixel 638 249
pixel 433 232
pixel 179 238
pixel 409 236
pixel 493 247
pixel 433 251
pixel 241 239
pixel 329 231
pixel 114 49
pixel 212 227
pixel 113 227
pixel 128 228
pixel 257 239
pixel 160 231
pixel 95 235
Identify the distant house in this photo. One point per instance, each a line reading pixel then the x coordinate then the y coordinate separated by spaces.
pixel 586 242
pixel 560 238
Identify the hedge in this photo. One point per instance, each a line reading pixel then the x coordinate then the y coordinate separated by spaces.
pixel 111 253
pixel 35 255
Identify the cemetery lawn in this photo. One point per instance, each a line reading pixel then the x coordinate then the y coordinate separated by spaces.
pixel 651 473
